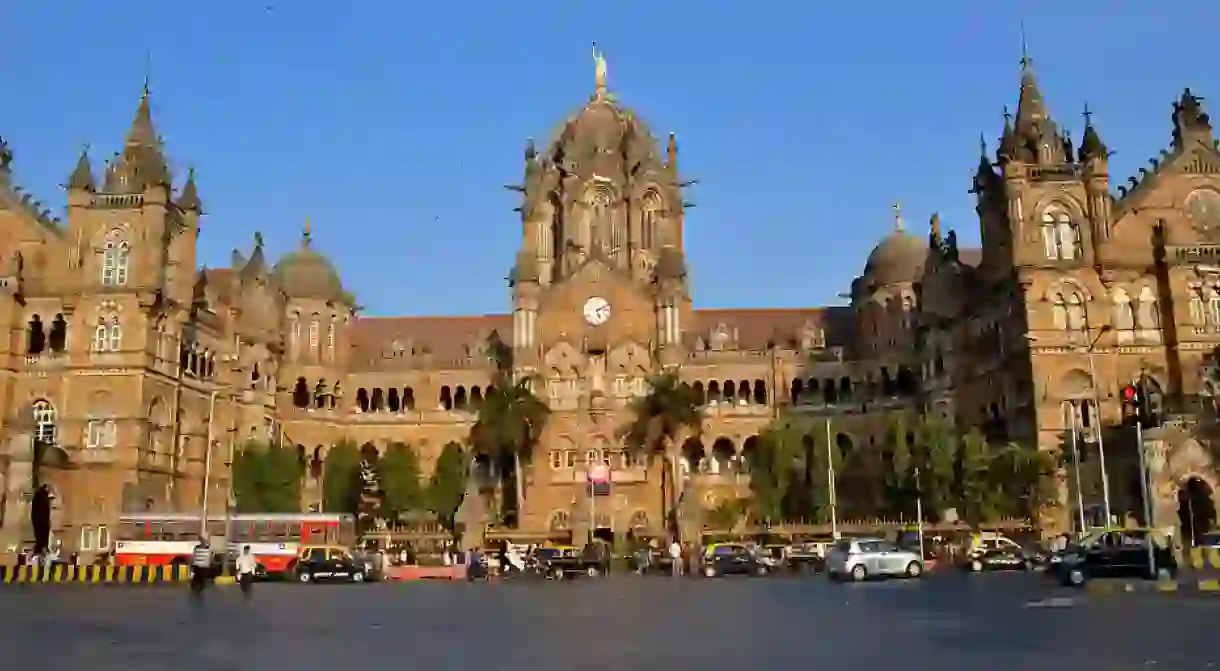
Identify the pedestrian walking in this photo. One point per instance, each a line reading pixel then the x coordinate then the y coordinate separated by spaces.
pixel 201 566
pixel 246 568
pixel 675 558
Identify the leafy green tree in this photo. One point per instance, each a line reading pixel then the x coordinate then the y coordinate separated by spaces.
pixel 936 458
pixel 401 490
pixel 447 486
pixel 900 491
pixel 774 464
pixel 341 484
pixel 1027 476
pixel 267 479
pixel 979 500
pixel 670 410
pixel 726 514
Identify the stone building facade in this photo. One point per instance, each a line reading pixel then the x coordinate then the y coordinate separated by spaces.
pixel 138 372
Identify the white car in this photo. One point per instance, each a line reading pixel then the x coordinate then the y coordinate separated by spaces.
pixel 858 559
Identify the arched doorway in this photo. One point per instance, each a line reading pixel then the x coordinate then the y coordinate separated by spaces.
pixel 1196 508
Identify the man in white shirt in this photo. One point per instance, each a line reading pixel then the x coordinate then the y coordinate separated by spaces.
pixel 675 557
pixel 201 566
pixel 246 568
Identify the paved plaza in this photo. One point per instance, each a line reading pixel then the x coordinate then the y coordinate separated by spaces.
pixel 993 622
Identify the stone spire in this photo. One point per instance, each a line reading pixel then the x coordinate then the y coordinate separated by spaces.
pixel 1091 146
pixel 82 175
pixel 599 72
pixel 1037 137
pixel 189 198
pixel 142 162
pixel 6 156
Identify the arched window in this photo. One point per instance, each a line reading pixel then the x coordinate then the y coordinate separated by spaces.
pixel 1059 314
pixel 116 258
pixel 294 337
pixel 1075 311
pixel 1213 306
pixel 45 429
pixel 650 220
pixel 1147 315
pixel 1124 317
pixel 599 219
pixel 1060 236
pixel 330 341
pixel 313 336
pixel 1197 315
pixel 108 334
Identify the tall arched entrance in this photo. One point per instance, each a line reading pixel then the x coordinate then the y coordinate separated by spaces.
pixel 1196 508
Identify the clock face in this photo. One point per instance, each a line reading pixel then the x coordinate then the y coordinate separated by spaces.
pixel 597 311
pixel 1204 208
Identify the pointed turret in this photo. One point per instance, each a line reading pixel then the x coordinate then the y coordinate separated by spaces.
pixel 1091 146
pixel 81 178
pixel 671 152
pixel 142 162
pixel 985 176
pixel 1037 137
pixel 257 264
pixel 1007 151
pixel 188 200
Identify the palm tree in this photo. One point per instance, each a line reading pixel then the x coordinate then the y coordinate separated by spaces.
pixel 669 410
pixel 510 421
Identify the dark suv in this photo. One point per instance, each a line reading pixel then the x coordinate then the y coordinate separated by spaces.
pixel 322 564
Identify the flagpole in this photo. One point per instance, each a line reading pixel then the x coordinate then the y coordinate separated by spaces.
pixel 830 485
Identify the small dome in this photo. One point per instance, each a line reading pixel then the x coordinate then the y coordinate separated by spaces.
pixel 899 257
pixel 305 273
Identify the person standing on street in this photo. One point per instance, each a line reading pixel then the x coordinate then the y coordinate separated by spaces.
pixel 675 558
pixel 246 568
pixel 201 566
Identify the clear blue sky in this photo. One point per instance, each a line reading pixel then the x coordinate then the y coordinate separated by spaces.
pixel 393 125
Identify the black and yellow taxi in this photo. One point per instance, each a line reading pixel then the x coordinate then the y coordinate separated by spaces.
pixel 329 563
pixel 721 559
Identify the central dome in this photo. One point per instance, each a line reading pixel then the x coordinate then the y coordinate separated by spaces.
pixel 899 257
pixel 304 273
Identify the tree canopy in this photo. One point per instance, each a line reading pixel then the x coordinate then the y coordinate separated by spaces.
pixel 447 486
pixel 267 479
pixel 341 483
pixel 670 409
pixel 401 487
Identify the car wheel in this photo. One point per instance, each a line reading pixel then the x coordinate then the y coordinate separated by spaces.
pixel 358 576
pixel 858 572
pixel 709 571
pixel 1075 577
pixel 592 572
pixel 761 571
pixel 1028 565
pixel 976 566
pixel 914 569
pixel 557 574
pixel 304 577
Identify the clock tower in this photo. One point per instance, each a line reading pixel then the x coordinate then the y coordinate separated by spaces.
pixel 600 300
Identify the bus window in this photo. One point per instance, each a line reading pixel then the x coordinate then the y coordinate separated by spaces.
pixel 279 531
pixel 332 534
pixel 264 532
pixel 216 528
pixel 293 532
pixel 130 531
pixel 312 534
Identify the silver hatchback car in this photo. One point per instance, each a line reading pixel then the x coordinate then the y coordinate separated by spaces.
pixel 861 558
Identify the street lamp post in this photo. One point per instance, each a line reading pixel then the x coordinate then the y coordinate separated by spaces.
pixel 1101 444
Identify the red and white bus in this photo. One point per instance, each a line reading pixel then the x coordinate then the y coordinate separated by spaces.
pixel 154 539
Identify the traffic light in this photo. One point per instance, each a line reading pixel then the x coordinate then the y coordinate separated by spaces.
pixel 1137 404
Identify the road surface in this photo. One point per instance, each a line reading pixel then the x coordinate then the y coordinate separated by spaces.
pixel 995 622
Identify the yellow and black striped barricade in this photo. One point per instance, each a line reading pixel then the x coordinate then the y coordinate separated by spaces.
pixel 134 575
pixel 1204 565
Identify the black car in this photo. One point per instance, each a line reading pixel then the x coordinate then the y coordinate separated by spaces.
pixel 561 563
pixel 330 565
pixel 998 559
pixel 1115 554
pixel 732 559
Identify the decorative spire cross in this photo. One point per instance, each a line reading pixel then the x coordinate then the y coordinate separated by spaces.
pixel 307 233
pixel 898 224
pixel 599 69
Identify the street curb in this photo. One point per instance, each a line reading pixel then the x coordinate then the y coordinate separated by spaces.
pixel 1103 586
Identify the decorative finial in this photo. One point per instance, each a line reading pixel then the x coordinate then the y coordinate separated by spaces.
pixel 1088 116
pixel 982 145
pixel 1007 114
pixel 935 226
pixel 898 224
pixel 147 72
pixel 258 239
pixel 1026 61
pixel 599 69
pixel 307 233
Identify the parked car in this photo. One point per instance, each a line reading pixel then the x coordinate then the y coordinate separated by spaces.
pixel 859 559
pixel 562 562
pixel 720 559
pixel 1116 553
pixel 996 552
pixel 321 564
pixel 808 556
